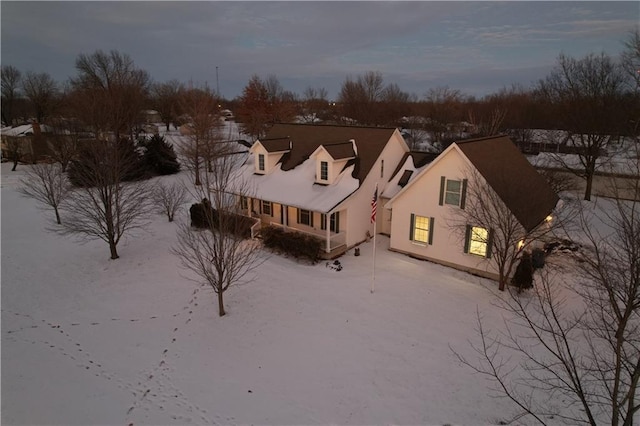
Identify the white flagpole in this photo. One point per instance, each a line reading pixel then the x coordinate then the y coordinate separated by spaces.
pixel 373 278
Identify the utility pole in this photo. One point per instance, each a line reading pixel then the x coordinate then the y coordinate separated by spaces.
pixel 217 86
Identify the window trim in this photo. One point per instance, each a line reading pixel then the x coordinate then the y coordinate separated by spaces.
pixel 324 170
pixel 443 192
pixel 429 230
pixel 486 241
pixel 310 217
pixel 244 203
pixel 264 211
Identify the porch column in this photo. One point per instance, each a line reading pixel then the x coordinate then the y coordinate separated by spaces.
pixel 285 216
pixel 327 227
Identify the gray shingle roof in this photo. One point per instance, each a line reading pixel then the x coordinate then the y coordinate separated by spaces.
pixel 306 138
pixel 523 190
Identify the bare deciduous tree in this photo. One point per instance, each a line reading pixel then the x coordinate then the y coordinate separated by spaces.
pixel 587 94
pixel 220 255
pixel 444 108
pixel 47 184
pixel 505 237
pixel 42 92
pixel 15 149
pixel 201 106
pixel 64 140
pixel 315 105
pixel 169 198
pixel 359 98
pixel 109 93
pixel 103 206
pixel 166 100
pixel 11 77
pixel 577 340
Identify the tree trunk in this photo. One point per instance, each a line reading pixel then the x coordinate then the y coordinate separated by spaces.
pixel 112 248
pixel 57 216
pixel 221 311
pixel 502 283
pixel 15 164
pixel 587 191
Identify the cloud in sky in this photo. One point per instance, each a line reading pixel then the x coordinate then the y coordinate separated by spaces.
pixel 477 47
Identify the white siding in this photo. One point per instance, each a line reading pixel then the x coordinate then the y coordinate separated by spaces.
pixel 422 198
pixel 358 220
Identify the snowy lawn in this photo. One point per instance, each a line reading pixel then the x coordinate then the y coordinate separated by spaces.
pixel 87 340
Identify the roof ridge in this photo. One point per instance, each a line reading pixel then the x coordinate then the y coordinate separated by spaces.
pixel 337 143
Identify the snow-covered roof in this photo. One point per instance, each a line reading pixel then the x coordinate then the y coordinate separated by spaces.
pixel 23 130
pixel 408 168
pixel 292 181
pixel 296 187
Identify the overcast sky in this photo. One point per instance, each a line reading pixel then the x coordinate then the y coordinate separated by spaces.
pixel 477 47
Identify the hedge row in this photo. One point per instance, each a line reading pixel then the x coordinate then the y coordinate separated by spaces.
pixel 295 244
pixel 205 216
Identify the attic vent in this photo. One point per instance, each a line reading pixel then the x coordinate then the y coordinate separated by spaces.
pixel 405 178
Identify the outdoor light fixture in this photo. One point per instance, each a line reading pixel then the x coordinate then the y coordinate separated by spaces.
pixel 548 218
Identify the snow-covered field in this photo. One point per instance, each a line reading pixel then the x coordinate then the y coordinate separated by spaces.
pixel 87 340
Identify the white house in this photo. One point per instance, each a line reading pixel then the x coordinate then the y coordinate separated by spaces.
pixel 424 200
pixel 320 179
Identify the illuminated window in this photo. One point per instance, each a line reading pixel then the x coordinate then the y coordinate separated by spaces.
pixel 421 229
pixel 478 241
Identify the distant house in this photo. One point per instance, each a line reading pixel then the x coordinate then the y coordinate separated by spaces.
pixel 320 179
pixel 31 141
pixel 424 197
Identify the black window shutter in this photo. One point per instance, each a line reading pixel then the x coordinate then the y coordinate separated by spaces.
pixel 442 182
pixel 310 218
pixel 467 238
pixel 463 196
pixel 337 215
pixel 413 217
pixel 431 221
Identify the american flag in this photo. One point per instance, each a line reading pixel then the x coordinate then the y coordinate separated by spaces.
pixel 374 205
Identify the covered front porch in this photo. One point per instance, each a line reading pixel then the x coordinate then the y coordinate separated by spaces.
pixel 323 226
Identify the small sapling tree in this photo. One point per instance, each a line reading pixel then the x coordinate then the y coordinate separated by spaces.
pixel 169 198
pixel 47 184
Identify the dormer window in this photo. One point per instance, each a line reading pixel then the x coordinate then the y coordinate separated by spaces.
pixel 331 159
pixel 324 170
pixel 268 152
